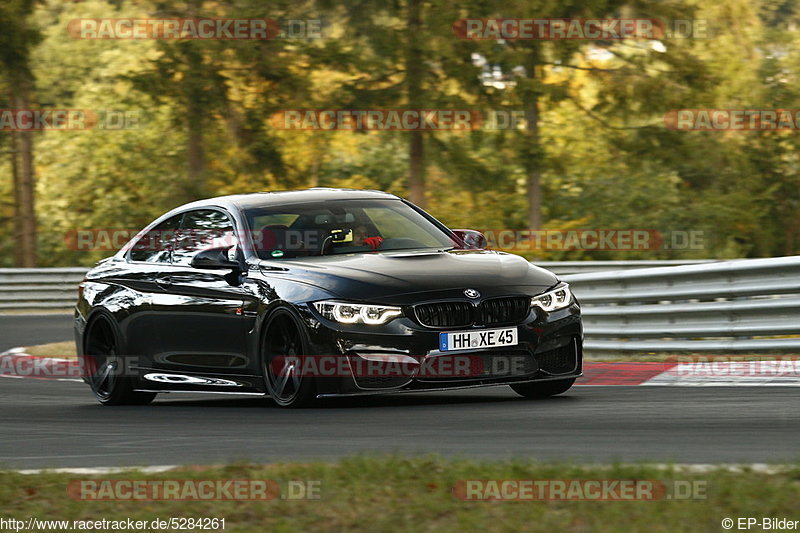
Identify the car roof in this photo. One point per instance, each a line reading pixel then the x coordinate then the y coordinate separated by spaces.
pixel 266 199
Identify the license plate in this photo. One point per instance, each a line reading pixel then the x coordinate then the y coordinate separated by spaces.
pixel 472 340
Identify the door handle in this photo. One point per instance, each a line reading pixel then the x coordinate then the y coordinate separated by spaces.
pixel 165 282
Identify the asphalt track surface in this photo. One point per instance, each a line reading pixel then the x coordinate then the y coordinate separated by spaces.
pixel 30 329
pixel 58 424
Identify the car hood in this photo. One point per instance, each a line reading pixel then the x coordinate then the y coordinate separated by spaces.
pixel 404 277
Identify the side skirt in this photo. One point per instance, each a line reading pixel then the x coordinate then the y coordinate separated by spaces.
pixel 439 389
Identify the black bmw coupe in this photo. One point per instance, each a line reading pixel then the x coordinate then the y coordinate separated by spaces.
pixel 319 293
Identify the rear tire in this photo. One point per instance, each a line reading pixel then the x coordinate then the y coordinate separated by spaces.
pixel 543 389
pixel 104 367
pixel 283 342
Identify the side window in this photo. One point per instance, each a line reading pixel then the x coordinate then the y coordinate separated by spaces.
pixel 200 230
pixel 155 245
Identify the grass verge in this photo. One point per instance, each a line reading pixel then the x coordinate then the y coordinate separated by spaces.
pixel 367 494
pixel 64 349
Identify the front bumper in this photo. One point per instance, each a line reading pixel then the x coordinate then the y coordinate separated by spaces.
pixel 550 347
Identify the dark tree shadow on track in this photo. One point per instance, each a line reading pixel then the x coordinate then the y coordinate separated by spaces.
pixel 363 402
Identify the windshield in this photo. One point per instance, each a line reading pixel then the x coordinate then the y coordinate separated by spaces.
pixel 341 227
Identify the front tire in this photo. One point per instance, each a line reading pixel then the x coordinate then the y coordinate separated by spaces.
pixel 104 367
pixel 543 389
pixel 281 354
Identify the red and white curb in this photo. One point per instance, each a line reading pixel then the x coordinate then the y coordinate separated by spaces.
pixel 720 373
pixel 17 364
pixel 778 372
pixel 695 468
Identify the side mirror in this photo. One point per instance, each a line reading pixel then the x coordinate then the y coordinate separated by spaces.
pixel 215 259
pixel 470 239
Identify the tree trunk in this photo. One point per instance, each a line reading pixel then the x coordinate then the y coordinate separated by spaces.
pixel 24 181
pixel 416 167
pixel 534 185
pixel 196 111
pixel 533 151
pixel 414 72
pixel 791 232
pixel 196 158
pixel 15 189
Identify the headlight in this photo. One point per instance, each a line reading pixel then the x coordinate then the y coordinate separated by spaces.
pixel 558 298
pixel 347 313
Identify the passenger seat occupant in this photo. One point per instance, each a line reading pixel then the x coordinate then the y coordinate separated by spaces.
pixel 361 236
